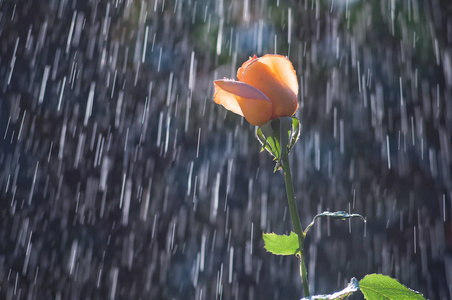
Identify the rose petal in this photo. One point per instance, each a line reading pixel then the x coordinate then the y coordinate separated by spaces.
pixel 240 89
pixel 282 66
pixel 240 70
pixel 262 75
pixel 226 99
pixel 244 100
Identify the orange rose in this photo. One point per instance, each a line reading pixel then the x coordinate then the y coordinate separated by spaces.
pixel 266 89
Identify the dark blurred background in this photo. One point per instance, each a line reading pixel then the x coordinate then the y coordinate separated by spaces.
pixel 121 179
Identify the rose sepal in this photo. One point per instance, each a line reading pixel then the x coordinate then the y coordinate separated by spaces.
pixel 278 136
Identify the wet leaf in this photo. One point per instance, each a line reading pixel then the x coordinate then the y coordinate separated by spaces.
pixel 381 287
pixel 281 244
pixel 352 287
pixel 341 215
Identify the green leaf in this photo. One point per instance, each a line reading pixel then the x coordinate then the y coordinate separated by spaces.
pixel 352 287
pixel 281 244
pixel 381 287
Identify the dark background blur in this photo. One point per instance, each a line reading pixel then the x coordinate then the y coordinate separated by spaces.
pixel 121 179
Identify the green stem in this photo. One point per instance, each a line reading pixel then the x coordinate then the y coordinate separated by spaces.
pixel 304 275
pixel 295 222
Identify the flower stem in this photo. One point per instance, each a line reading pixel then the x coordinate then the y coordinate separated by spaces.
pixel 295 222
